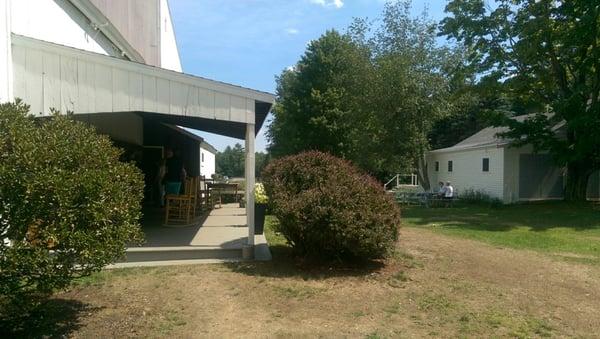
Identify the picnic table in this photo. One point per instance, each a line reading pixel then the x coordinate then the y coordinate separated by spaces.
pixel 217 190
pixel 426 199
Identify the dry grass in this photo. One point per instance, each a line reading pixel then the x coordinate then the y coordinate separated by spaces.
pixel 435 286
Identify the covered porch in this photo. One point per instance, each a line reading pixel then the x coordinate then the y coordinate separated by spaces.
pixel 219 236
pixel 127 100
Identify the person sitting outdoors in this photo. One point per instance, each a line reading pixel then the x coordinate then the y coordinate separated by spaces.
pixel 442 190
pixel 448 191
pixel 174 173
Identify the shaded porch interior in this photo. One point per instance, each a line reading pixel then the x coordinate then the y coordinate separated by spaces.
pixel 220 232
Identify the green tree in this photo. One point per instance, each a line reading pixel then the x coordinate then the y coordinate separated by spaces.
pixel 261 161
pixel 319 100
pixel 545 56
pixel 410 91
pixel 68 206
pixel 231 162
pixel 370 96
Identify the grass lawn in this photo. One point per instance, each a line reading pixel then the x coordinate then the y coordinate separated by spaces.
pixel 570 231
pixel 437 284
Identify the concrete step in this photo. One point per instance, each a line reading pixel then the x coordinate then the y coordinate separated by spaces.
pixel 156 254
pixel 170 263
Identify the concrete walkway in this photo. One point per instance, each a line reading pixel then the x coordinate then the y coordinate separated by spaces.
pixel 217 237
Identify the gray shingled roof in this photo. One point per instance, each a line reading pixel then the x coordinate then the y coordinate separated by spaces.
pixel 487 137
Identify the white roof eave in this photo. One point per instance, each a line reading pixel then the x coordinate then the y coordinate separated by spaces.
pixel 146 69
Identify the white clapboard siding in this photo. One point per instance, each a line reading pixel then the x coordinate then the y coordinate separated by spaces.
pixel 467 172
pixel 53 76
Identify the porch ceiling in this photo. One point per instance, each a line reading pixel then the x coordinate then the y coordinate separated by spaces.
pixel 48 75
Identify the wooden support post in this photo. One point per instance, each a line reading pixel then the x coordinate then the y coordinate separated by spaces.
pixel 250 182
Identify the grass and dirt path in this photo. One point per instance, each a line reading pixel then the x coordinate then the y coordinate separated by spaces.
pixel 566 231
pixel 439 285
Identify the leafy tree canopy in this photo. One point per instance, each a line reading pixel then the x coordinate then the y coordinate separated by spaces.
pixel 545 57
pixel 231 161
pixel 370 95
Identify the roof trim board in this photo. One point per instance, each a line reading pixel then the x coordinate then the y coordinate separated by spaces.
pixel 48 76
pixel 266 97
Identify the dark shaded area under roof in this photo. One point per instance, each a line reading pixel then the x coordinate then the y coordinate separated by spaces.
pixel 227 128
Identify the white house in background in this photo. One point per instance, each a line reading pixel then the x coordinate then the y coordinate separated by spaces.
pixel 485 162
pixel 208 160
pixel 115 65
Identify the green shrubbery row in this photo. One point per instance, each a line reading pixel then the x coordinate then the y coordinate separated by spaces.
pixel 472 196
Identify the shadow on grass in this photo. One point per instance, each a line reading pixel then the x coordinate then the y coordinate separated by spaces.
pixel 53 318
pixel 285 264
pixel 537 216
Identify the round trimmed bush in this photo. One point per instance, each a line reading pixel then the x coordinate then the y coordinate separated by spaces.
pixel 329 210
pixel 68 206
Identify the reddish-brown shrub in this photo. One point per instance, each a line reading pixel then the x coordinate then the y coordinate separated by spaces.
pixel 328 209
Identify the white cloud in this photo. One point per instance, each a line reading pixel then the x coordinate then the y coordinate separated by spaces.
pixel 292 31
pixel 329 3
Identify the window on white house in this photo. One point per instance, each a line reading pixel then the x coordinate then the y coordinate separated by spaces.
pixel 437 166
pixel 202 157
pixel 485 166
pixel 450 166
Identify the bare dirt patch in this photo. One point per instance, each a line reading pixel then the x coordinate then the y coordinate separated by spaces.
pixel 437 286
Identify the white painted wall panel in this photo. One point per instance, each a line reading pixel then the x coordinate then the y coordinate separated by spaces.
pixel 6 74
pixel 58 22
pixel 178 96
pixel 222 106
pixel 149 92
pixel 169 54
pixel 136 93
pixel 238 108
pixel 51 82
pixel 68 84
pixel 206 101
pixel 103 85
pixel 467 170
pixel 35 63
pixel 120 89
pixel 86 102
pixel 20 81
pixel 192 104
pixel 51 76
pixel 207 164
pixel 163 95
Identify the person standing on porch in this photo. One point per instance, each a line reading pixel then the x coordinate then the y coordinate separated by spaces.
pixel 174 173
pixel 160 181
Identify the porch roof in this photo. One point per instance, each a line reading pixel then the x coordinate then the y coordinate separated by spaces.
pixel 47 75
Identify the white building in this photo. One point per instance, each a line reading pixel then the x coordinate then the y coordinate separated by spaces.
pixel 116 66
pixel 484 162
pixel 208 165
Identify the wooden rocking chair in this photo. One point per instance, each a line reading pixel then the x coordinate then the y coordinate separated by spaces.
pixel 181 208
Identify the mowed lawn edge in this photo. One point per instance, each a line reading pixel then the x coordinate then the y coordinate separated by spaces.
pixel 570 231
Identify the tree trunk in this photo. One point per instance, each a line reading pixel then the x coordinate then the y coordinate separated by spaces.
pixel 577 182
pixel 422 174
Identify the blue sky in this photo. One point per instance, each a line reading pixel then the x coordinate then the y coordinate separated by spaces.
pixel 249 42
